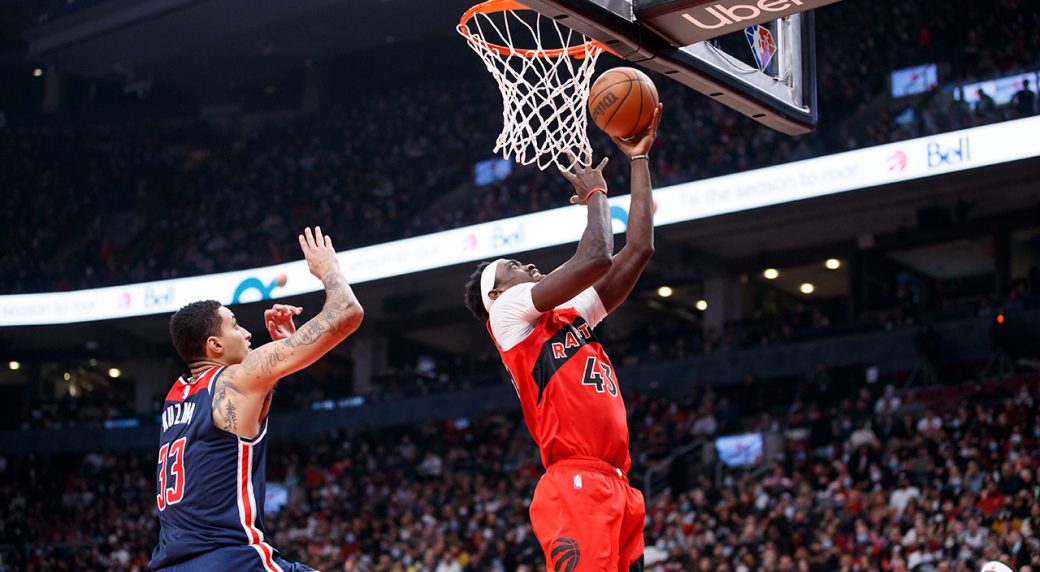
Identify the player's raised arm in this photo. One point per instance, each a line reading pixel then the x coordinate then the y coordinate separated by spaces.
pixel 629 264
pixel 339 317
pixel 242 389
pixel 592 259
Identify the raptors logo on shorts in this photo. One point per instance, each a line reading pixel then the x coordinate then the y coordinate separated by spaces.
pixel 566 554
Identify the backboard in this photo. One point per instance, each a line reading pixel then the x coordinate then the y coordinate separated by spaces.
pixel 754 56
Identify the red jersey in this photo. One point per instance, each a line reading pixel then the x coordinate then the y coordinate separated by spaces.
pixel 568 388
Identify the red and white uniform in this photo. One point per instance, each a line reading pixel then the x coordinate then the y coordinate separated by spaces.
pixel 584 513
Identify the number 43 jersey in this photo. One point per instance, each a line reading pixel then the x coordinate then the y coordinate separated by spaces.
pixel 567 386
pixel 209 484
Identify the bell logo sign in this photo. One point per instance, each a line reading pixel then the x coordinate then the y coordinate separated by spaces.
pixel 946 154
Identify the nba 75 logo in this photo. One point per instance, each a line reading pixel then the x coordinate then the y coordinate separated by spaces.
pixel 763 46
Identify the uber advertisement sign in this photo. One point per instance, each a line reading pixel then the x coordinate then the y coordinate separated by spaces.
pixel 685 22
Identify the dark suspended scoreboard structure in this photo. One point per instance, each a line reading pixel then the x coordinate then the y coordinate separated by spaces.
pixel 756 57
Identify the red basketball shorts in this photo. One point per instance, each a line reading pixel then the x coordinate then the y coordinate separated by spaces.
pixel 587 518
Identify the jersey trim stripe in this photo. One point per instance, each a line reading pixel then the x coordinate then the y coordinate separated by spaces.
pixel 209 382
pixel 247 508
pixel 257 439
pixel 181 389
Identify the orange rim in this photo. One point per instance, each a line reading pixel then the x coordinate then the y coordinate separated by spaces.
pixel 494 6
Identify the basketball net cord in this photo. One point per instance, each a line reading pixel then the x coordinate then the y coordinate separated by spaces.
pixel 544 91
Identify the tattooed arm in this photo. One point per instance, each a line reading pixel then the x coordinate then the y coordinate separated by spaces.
pixel 241 392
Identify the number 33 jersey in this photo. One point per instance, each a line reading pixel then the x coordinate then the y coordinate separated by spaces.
pixel 567 386
pixel 209 483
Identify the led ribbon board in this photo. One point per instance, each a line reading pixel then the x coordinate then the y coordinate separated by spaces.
pixel 832 174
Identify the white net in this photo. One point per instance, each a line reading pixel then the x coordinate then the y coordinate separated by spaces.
pixel 543 70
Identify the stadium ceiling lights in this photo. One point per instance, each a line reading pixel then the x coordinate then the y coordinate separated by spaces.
pixel 664 291
pixel 832 264
pixel 114 372
pixel 771 273
pixel 807 288
pixel 13 365
pixel 702 305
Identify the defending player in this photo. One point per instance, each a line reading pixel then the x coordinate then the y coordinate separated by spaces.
pixel 212 447
pixel 584 514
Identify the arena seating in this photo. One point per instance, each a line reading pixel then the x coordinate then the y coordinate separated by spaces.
pixel 884 485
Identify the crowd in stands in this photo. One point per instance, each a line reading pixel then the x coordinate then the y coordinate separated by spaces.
pixel 125 202
pixel 89 409
pixel 866 479
pixel 976 40
pixel 890 484
pixel 157 201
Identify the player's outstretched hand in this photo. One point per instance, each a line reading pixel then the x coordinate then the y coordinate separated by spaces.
pixel 317 249
pixel 585 179
pixel 640 144
pixel 279 320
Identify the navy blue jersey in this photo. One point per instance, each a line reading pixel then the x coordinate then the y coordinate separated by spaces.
pixel 210 486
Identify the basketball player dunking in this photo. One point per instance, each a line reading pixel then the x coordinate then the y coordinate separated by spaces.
pixel 584 513
pixel 212 449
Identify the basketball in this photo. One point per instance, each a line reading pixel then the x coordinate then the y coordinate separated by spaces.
pixel 994 566
pixel 622 102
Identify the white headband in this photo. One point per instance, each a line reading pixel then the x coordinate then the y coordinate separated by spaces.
pixel 487 282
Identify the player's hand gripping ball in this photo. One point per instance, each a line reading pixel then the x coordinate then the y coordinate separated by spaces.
pixel 622 102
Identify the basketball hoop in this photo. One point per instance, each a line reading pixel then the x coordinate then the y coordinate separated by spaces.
pixel 543 70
